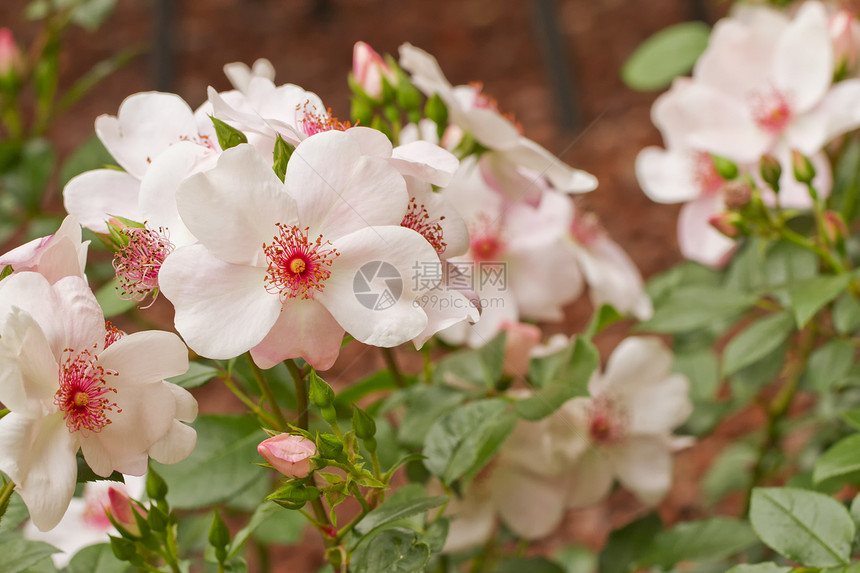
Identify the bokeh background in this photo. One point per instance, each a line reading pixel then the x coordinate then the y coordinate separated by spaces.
pixel 554 65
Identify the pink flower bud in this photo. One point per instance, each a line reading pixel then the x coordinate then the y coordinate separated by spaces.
pixel 289 454
pixel 122 509
pixel 521 338
pixel 845 33
pixel 10 56
pixel 726 223
pixel 834 227
pixel 368 69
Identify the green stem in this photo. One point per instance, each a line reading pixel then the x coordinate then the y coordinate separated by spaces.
pixel 365 509
pixel 259 412
pixel 391 364
pixel 301 393
pixel 779 406
pixel 5 496
pixel 802 241
pixel 269 395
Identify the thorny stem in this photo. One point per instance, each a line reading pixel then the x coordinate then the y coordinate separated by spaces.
pixel 269 395
pixel 778 407
pixel 391 364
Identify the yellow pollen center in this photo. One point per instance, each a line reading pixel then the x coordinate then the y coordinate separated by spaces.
pixel 81 399
pixel 297 266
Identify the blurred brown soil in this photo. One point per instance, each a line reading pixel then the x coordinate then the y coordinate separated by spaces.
pixel 495 42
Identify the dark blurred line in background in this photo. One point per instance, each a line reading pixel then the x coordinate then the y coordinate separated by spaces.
pixel 162 45
pixel 558 67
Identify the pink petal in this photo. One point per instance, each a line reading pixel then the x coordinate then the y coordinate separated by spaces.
pixel 698 240
pixel 590 479
pixel 643 464
pixel 304 329
pixel 667 176
pixel 532 506
pixel 803 61
pixel 94 196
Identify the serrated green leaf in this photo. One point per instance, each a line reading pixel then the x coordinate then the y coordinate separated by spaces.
pixel 829 364
pixel 804 526
pixel 393 550
pixel 697 306
pixel 810 296
pixel 661 58
pixel 570 381
pixel 393 510
pixel 840 459
pixel 20 554
pixel 705 540
pixel 628 544
pixel 757 341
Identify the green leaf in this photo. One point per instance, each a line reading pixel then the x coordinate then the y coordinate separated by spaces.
pixel 266 511
pixel 392 510
pixel 91 14
pixel 480 367
pixel 810 296
pixel 846 181
pixel 746 382
pixel 662 286
pixel 705 540
pixel 28 179
pixel 846 314
pixel 757 341
pixel 702 369
pixel 839 460
pixel 228 136
pixel 377 382
pixel 829 364
pixel 16 514
pixel 461 442
pixel 527 565
pixel 661 58
pixel 576 559
pixel 393 550
pixel 220 466
pixel 570 382
pixel 697 306
pixel 282 153
pixel 426 404
pixel 96 559
pixel 92 154
pixel 19 554
pixel 808 527
pixel 759 568
pixel 282 528
pixel 626 545
pixel 604 316
pixel 730 471
pixel 761 266
pixel 852 418
pixel 198 374
pixel 112 305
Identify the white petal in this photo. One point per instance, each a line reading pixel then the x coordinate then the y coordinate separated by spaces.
pixel 304 329
pixel 81 314
pixel 454 230
pixel 94 196
pixel 39 456
pixel 28 368
pixel 145 357
pixel 563 177
pixel 364 299
pixel 176 445
pixel 659 407
pixel 233 209
pixel 667 176
pixel 590 479
pixel 425 161
pixel 613 278
pixel 544 281
pixel 222 310
pixel 637 361
pixel 444 307
pixel 32 293
pixel 146 124
pixel 530 505
pixel 371 141
pixel 698 240
pixel 338 190
pixel 803 61
pixel 837 113
pixel 186 405
pixel 643 464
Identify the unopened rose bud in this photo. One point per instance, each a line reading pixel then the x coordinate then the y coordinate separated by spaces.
pixel 122 510
pixel 11 62
pixel 726 168
pixel 368 70
pixel 844 30
pixel 726 223
pixel 834 227
pixel 737 194
pixel 804 172
pixel 771 171
pixel 290 454
pixel 520 340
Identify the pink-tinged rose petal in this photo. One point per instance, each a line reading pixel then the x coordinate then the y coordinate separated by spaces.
pixel 304 329
pixel 32 293
pixel 563 178
pixel 698 240
pixel 803 58
pixel 240 74
pixel 94 196
pixel 371 141
pixel 667 176
pixel 643 464
pixel 426 162
pixel 638 359
pixel 837 113
pixel 222 310
pixel 131 357
pixel 39 456
pixel 290 454
pixel 176 445
pixel 83 317
pixel 520 339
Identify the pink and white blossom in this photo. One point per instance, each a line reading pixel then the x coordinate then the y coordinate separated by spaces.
pixel 62 254
pixel 369 69
pixel 70 384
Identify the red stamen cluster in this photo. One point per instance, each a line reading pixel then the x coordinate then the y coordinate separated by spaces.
pixel 313 122
pixel 771 110
pixel 297 268
pixel 586 228
pixel 418 219
pixel 112 333
pixel 81 396
pixel 138 263
pixel 705 174
pixel 485 241
pixel 606 424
